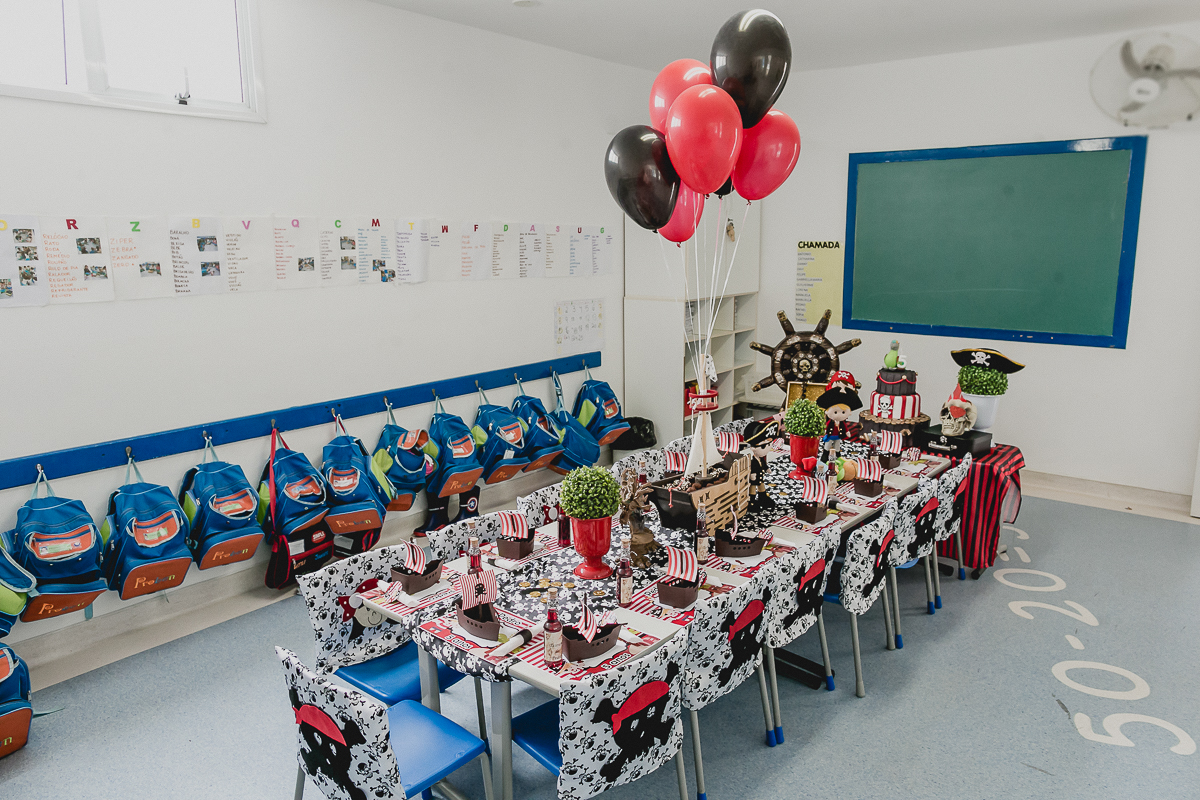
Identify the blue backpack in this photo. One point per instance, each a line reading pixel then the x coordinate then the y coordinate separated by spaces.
pixel 499 437
pixel 15 709
pixel 57 543
pixel 580 448
pixel 399 455
pixel 16 585
pixel 453 448
pixel 293 500
pixel 357 499
pixel 543 441
pixel 145 538
pixel 597 409
pixel 222 512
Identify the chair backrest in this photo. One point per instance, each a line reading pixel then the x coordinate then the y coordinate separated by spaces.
pixel 915 517
pixel 531 504
pixel 620 724
pixel 736 426
pixel 725 640
pixel 800 578
pixel 866 564
pixel 952 486
pixel 343 736
pixel 346 635
pixel 656 464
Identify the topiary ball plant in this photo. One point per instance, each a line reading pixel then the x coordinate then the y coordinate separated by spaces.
pixel 982 380
pixel 804 418
pixel 590 493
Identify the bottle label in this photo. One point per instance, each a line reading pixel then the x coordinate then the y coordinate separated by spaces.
pixel 553 647
pixel 701 548
pixel 625 591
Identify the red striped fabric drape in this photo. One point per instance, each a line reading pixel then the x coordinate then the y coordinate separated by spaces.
pixel 989 479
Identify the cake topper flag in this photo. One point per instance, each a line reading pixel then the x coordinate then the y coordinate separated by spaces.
pixel 682 564
pixel 414 558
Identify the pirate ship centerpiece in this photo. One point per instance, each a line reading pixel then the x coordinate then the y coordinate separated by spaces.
pixel 814 495
pixel 895 404
pixel 730 544
pixel 417 573
pixel 802 361
pixel 679 586
pixel 516 537
pixel 589 637
pixel 721 485
pixel 474 610
pixel 868 477
pixel 887 445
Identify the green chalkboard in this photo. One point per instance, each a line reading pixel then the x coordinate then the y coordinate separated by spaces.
pixel 1030 242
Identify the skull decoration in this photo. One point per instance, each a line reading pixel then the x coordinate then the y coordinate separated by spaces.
pixel 958 425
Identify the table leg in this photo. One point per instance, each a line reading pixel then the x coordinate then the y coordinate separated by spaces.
pixel 887 617
pixel 825 650
pixel 502 739
pixel 896 597
pixel 430 690
pixel 769 654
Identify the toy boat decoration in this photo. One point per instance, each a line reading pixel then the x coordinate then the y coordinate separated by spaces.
pixel 474 610
pixel 516 538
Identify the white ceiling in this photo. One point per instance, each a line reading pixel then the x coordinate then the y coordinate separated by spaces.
pixel 824 33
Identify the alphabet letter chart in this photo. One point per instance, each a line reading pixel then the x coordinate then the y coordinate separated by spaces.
pixel 578 326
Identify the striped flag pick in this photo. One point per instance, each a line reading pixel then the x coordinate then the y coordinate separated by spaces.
pixel 513 525
pixel 729 442
pixel 912 454
pixel 682 564
pixel 676 461
pixel 478 588
pixel 414 558
pixel 587 625
pixel 814 490
pixel 891 442
pixel 868 469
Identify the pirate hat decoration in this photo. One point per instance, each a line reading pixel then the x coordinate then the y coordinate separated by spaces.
pixel 985 357
pixel 760 432
pixel 839 395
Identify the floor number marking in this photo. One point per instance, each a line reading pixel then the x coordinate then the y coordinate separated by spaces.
pixel 1020 533
pixel 1074 642
pixel 1002 576
pixel 1022 554
pixel 1140 687
pixel 1080 613
pixel 1113 735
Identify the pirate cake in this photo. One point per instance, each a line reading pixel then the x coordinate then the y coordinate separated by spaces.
pixel 895 404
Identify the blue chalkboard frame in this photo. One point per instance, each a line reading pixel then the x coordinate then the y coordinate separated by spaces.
pixel 1133 205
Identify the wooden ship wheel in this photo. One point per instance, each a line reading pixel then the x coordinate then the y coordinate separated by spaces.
pixel 806 357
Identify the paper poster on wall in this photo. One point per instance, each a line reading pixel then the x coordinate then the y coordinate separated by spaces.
pixel 819 269
pixel 474 251
pixel 377 251
pixel 412 250
pixel 197 252
pixel 531 250
pixel 297 245
pixel 22 270
pixel 505 263
pixel 75 253
pixel 139 251
pixel 249 250
pixel 578 326
pixel 557 263
pixel 579 251
pixel 602 249
pixel 443 250
pixel 337 251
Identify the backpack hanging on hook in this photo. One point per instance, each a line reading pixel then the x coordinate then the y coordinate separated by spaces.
pixel 222 510
pixel 453 447
pixel 400 456
pixel 597 409
pixel 16 587
pixel 357 499
pixel 543 441
pixel 16 712
pixel 293 502
pixel 580 448
pixel 500 438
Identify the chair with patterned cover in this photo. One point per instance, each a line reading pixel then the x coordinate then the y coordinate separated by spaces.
pixel 656 464
pixel 952 485
pixel 450 542
pixel 354 748
pixel 864 575
pixel 362 647
pixel 531 505
pixel 800 578
pixel 916 519
pixel 612 727
pixel 725 647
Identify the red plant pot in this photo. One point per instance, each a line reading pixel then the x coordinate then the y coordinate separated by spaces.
pixel 593 538
pixel 804 447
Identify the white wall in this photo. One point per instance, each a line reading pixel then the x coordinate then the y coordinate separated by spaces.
pixel 1119 416
pixel 371 111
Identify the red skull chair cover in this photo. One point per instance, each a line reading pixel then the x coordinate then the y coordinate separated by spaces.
pixel 725 647
pixel 951 489
pixel 354 748
pixel 361 646
pixel 613 727
pixel 864 576
pixel 531 504
pixel 916 517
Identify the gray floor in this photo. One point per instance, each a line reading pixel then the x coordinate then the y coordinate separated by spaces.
pixel 969 708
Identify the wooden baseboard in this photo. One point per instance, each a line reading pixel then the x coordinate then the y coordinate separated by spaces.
pixel 1111 496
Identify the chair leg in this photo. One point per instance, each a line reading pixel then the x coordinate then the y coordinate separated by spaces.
pixel 937 579
pixel 769 657
pixel 928 585
pixel 825 650
pixel 766 703
pixel 896 606
pixel 700 793
pixel 859 689
pixel 887 617
pixel 484 759
pixel 962 572
pixel 299 782
pixel 681 775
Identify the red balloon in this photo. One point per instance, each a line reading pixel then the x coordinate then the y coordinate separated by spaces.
pixel 704 137
pixel 769 153
pixel 674 78
pixel 688 209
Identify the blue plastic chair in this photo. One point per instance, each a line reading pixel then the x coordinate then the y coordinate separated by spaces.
pixel 395 676
pixel 405 747
pixel 912 544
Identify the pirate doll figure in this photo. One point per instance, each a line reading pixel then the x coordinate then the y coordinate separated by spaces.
pixel 757 438
pixel 839 401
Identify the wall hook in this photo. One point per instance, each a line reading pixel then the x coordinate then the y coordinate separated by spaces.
pixel 129 452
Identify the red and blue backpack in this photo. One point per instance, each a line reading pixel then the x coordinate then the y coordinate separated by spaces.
pixel 597 409
pixel 580 448
pixel 293 502
pixel 500 438
pixel 543 441
pixel 16 585
pixel 222 510
pixel 145 538
pixel 452 446
pixel 400 456
pixel 357 499
pixel 15 709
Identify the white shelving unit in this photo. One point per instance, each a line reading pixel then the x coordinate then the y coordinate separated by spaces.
pixel 659 330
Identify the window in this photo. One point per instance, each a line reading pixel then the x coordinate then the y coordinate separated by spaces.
pixel 196 57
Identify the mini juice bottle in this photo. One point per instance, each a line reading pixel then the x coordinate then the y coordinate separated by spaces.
pixel 625 575
pixel 553 655
pixel 564 528
pixel 702 541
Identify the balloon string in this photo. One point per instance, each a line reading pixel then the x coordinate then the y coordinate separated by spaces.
pixel 671 276
pixel 713 275
pixel 733 255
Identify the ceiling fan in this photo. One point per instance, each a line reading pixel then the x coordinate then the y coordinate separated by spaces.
pixel 1150 81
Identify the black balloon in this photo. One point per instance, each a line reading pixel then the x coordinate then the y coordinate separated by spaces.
pixel 750 59
pixel 641 177
pixel 726 187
